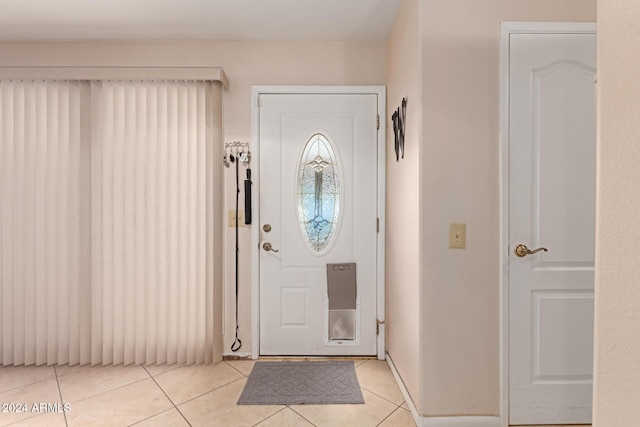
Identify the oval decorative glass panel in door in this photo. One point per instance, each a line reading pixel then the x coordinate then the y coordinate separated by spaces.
pixel 318 188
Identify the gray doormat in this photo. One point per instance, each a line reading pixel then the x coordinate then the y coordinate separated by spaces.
pixel 295 383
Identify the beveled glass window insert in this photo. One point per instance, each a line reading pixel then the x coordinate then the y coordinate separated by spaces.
pixel 318 189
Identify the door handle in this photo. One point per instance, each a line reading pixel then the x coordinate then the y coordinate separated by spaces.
pixel 267 247
pixel 522 250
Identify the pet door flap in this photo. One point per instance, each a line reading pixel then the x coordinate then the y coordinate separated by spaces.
pixel 342 291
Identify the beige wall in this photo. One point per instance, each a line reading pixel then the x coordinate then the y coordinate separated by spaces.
pixel 459 182
pixel 617 313
pixel 246 64
pixel 402 264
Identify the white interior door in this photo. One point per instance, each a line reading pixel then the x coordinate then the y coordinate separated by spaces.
pixel 552 120
pixel 318 206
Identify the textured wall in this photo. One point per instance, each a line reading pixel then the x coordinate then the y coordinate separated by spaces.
pixel 617 313
pixel 403 222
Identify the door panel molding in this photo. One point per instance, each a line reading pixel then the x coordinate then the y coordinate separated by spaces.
pixel 256 91
pixel 507 29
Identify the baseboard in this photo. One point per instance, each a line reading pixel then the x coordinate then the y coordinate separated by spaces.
pixel 241 355
pixel 421 421
pixel 459 422
pixel 404 391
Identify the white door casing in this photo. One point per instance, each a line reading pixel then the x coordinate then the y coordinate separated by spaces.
pixel 292 282
pixel 551 193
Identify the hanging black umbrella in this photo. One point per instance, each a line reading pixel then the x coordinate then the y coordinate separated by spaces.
pixel 247 198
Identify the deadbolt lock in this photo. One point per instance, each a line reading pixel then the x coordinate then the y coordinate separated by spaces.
pixel 266 228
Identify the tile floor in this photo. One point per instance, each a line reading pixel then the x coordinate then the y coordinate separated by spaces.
pixel 182 396
pixel 171 395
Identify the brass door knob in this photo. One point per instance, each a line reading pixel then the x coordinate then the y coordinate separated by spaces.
pixel 522 250
pixel 267 247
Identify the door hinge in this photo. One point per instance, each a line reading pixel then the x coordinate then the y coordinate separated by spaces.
pixel 378 122
pixel 259 101
pixel 377 225
pixel 378 323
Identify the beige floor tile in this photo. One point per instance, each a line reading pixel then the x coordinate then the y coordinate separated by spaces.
pixel 120 407
pixel 170 418
pixel 244 366
pixel 374 410
pixel 188 382
pixel 98 379
pixel 400 418
pixel 26 396
pixel 18 376
pixel 358 362
pixel 285 418
pixel 54 419
pixel 405 406
pixel 62 370
pixel 375 376
pixel 161 369
pixel 219 408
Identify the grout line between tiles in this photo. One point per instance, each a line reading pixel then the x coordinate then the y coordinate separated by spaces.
pixel 213 389
pixel 272 415
pixel 364 362
pixel 159 413
pixel 303 417
pixel 231 366
pixel 64 413
pixel 30 384
pixel 170 400
pixel 84 367
pixel 381 397
pixel 385 418
pixel 173 367
pixel 106 391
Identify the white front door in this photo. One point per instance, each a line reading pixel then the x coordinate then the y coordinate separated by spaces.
pixel 552 143
pixel 318 213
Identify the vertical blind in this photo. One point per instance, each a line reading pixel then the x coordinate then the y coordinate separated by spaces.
pixel 106 232
pixel 44 221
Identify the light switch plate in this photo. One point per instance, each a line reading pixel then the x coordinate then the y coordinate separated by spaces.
pixel 457 236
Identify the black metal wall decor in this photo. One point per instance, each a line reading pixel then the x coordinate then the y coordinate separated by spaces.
pixel 399 118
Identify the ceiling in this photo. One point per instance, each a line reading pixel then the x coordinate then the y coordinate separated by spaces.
pixel 318 20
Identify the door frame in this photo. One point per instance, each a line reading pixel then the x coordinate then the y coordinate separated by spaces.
pixel 256 91
pixel 508 28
